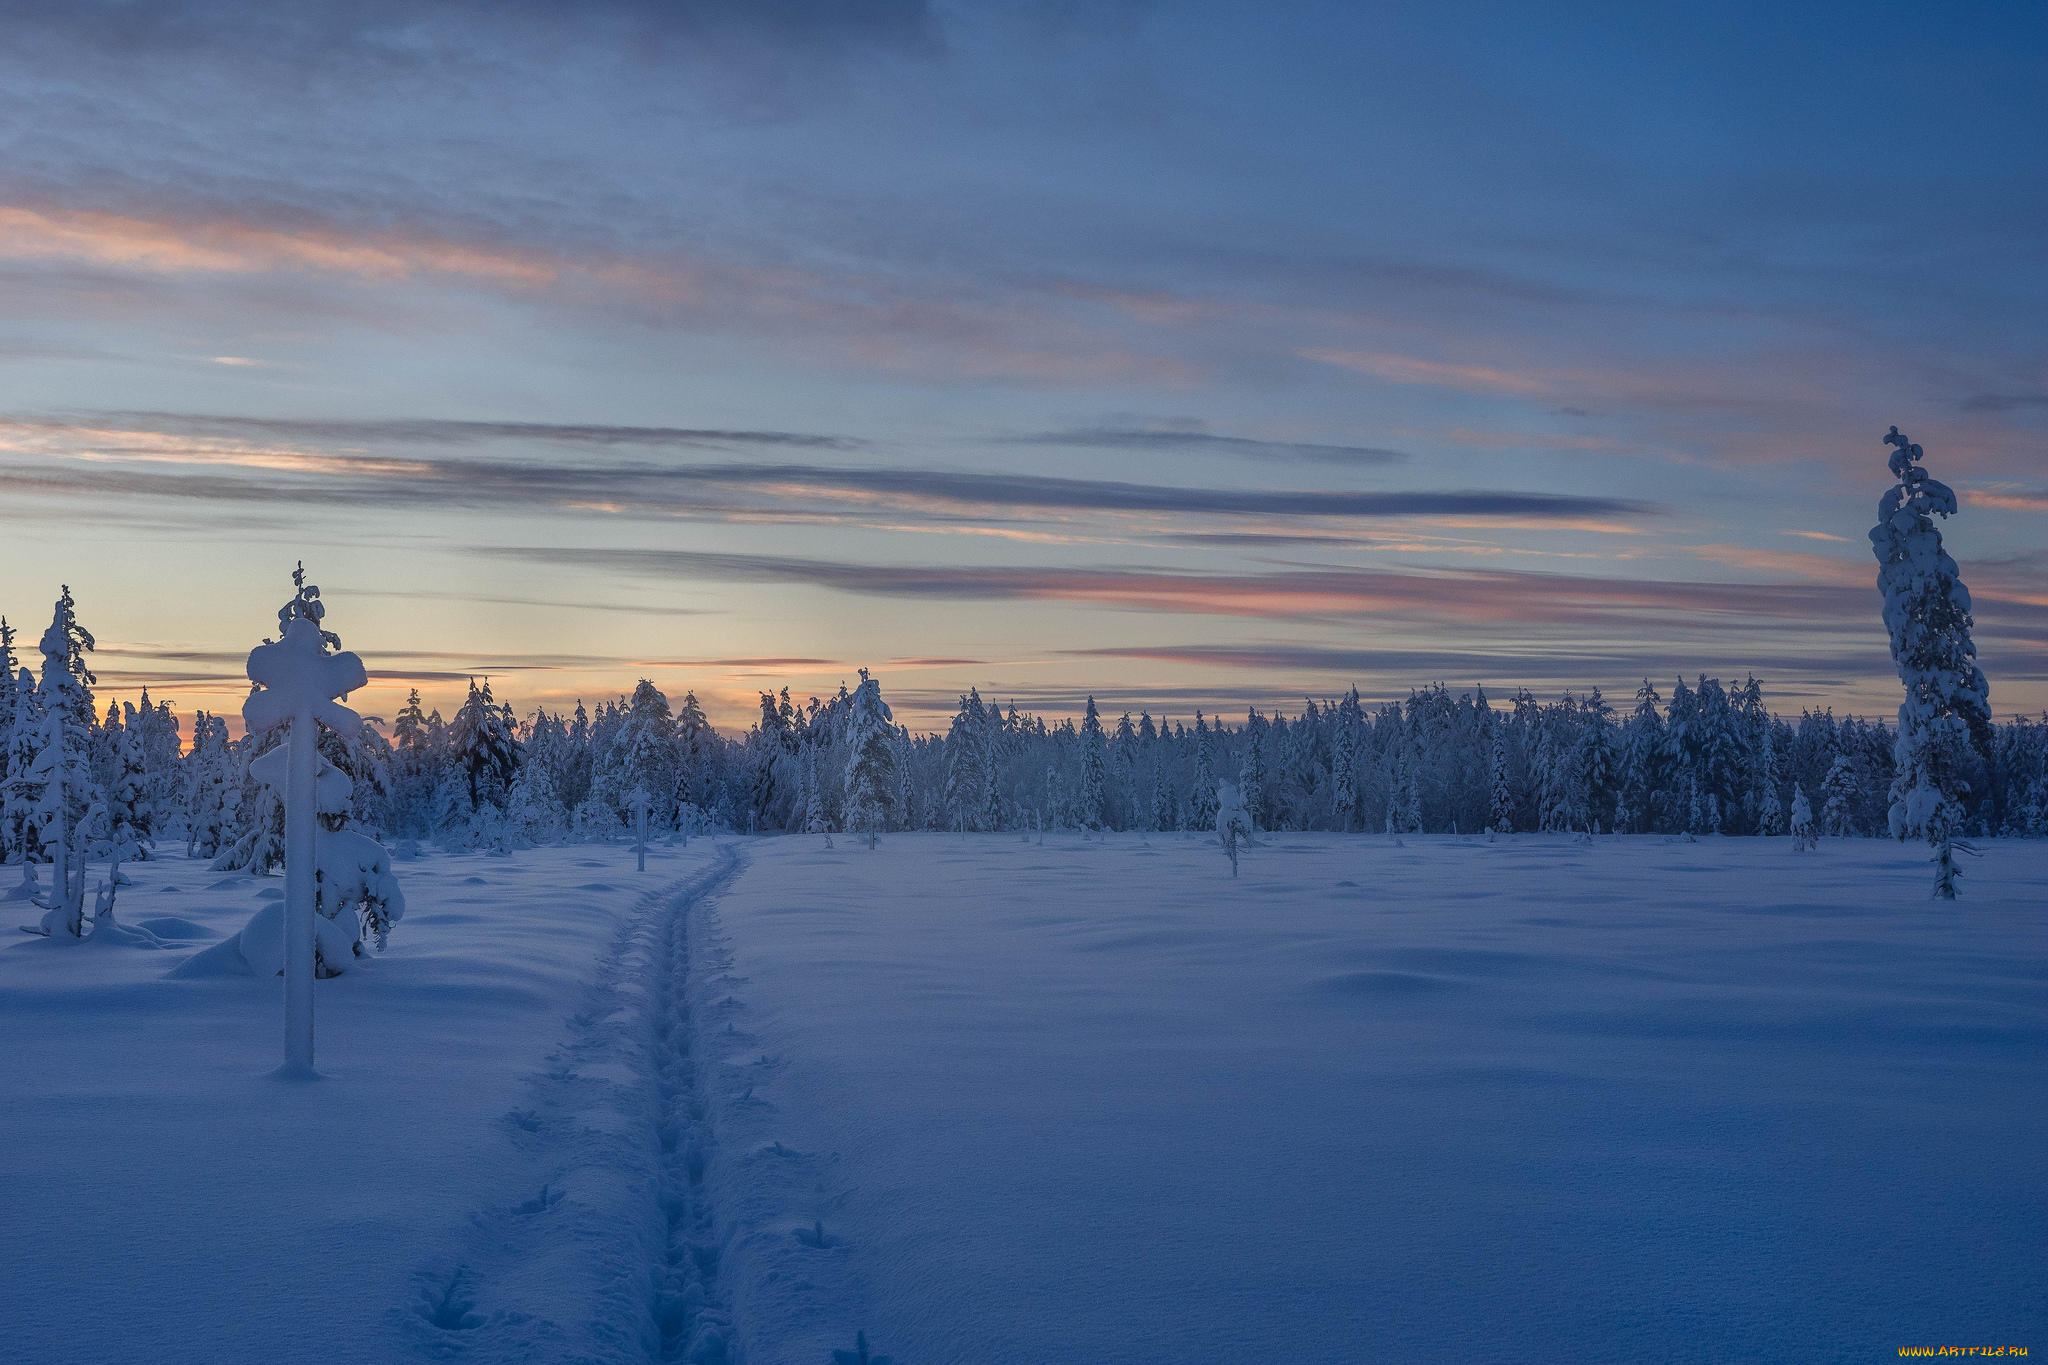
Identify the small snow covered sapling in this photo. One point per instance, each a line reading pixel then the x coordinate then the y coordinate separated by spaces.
pixel 1233 825
pixel 1803 836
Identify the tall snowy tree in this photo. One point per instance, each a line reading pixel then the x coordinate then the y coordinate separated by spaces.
pixel 1947 710
pixel 1770 812
pixel 484 747
pixel 213 789
pixel 62 766
pixel 1094 788
pixel 20 792
pixel 871 769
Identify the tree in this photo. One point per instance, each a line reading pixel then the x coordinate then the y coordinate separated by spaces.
pixel 1803 837
pixel 1088 801
pixel 129 819
pixel 213 790
pixel 1838 792
pixel 485 749
pixel 297 684
pixel 1202 786
pixel 871 771
pixel 1233 825
pixel 19 790
pixel 1947 710
pixel 1500 804
pixel 62 767
pixel 1251 769
pixel 1770 813
pixel 814 799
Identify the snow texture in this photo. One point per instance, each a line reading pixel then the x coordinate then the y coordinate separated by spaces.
pixel 970 1099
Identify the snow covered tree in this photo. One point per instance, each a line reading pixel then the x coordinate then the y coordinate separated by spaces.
pixel 484 747
pixel 297 684
pixel 1838 792
pixel 20 792
pixel 1094 784
pixel 1233 824
pixel 965 759
pixel 1345 754
pixel 1803 836
pixel 871 770
pixel 1500 803
pixel 1251 769
pixel 1404 795
pixel 1947 710
pixel 62 767
pixel 1770 812
pixel 213 789
pixel 1202 785
pixel 814 799
pixel 128 823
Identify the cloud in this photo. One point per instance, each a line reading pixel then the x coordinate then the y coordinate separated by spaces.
pixel 441 432
pixel 1201 442
pixel 1488 596
pixel 1506 665
pixel 2008 499
pixel 668 490
pixel 227 246
pixel 2004 402
pixel 1402 369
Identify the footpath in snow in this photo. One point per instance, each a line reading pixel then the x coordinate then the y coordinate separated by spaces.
pixel 1005 1103
pixel 501 1162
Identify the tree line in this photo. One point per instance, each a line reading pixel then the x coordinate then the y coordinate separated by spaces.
pixel 1702 759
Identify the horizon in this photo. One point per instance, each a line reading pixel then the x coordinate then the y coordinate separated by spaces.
pixel 1195 358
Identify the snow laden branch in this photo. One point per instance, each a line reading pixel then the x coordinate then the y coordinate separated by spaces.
pixel 1945 730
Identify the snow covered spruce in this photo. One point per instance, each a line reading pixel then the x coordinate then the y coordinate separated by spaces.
pixel 1945 735
pixel 339 887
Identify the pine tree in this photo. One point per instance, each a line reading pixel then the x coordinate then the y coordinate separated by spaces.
pixel 1251 770
pixel 129 824
pixel 484 747
pixel 871 770
pixel 1233 823
pixel 1500 806
pixel 1770 813
pixel 1947 710
pixel 814 798
pixel 1838 792
pixel 1202 786
pixel 1088 813
pixel 964 762
pixel 1344 759
pixel 20 791
pixel 213 790
pixel 62 767
pixel 1803 836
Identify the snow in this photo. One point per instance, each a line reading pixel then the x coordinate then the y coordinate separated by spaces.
pixel 1528 1100
pixel 168 1200
pixel 990 1100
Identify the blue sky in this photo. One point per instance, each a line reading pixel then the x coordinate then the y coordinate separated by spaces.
pixel 1194 355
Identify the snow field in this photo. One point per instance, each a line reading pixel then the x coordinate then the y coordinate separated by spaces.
pixel 994 1100
pixel 1093 1100
pixel 481 1173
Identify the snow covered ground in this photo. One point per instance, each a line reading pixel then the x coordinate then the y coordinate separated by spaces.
pixel 993 1101
pixel 1526 1101
pixel 167 1200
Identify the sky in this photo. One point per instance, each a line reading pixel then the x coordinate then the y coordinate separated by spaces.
pixel 1191 355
